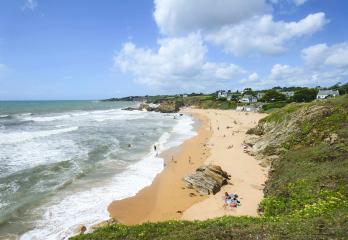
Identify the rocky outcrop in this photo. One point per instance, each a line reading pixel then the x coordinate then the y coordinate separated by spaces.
pixel 169 107
pixel 163 107
pixel 207 179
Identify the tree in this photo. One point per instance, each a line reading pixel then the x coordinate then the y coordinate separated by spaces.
pixel 249 91
pixel 305 95
pixel 273 96
pixel 343 89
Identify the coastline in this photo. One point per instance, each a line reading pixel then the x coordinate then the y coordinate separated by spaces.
pixel 167 198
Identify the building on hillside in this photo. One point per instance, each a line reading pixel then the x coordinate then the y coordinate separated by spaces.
pixel 248 99
pixel 288 94
pixel 322 94
pixel 222 95
pixel 260 95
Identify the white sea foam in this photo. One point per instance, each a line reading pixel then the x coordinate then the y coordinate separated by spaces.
pixel 64 215
pixel 99 116
pixel 47 118
pixel 3 116
pixel 17 137
pixel 30 154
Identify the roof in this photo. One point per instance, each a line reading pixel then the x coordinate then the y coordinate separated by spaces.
pixel 327 92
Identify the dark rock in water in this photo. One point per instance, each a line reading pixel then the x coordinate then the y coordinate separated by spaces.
pixel 130 109
pixel 164 107
pixel 207 179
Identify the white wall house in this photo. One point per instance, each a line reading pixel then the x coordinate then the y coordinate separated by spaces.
pixel 288 94
pixel 248 99
pixel 222 94
pixel 322 94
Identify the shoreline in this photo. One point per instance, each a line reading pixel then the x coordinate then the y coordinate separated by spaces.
pixel 167 198
pixel 158 202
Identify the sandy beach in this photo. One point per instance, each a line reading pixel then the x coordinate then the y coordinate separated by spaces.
pixel 219 141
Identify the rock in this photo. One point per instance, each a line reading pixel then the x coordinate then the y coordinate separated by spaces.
pixel 82 229
pixel 207 179
pixel 331 139
pixel 166 106
pixel 130 109
pixel 169 107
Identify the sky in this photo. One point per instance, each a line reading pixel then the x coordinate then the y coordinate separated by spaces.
pixel 64 49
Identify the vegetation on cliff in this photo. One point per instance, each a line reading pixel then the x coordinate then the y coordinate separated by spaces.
pixel 306 195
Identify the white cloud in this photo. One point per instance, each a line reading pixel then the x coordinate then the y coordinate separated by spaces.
pixel 286 75
pixel 181 16
pixel 178 64
pixel 30 4
pixel 322 55
pixel 253 77
pixel 261 34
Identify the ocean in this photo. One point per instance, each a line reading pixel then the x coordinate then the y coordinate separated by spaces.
pixel 63 162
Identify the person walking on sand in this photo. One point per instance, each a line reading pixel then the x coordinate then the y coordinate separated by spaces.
pixel 155 149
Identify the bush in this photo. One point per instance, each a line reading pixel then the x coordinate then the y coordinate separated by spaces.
pixel 305 95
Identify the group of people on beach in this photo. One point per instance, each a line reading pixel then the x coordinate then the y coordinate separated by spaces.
pixel 231 200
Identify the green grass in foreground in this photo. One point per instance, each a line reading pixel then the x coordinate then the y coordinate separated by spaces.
pixel 306 196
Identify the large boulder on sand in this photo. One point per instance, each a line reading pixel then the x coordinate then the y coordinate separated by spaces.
pixel 207 179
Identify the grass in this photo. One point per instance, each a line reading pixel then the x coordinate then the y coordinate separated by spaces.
pixel 306 195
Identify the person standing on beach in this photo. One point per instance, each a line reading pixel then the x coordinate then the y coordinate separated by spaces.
pixel 155 149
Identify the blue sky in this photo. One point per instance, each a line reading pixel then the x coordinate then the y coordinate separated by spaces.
pixel 98 49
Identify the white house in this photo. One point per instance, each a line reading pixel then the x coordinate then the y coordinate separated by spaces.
pixel 248 99
pixel 288 94
pixel 222 94
pixel 322 94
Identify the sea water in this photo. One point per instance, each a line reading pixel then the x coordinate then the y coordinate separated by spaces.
pixel 63 162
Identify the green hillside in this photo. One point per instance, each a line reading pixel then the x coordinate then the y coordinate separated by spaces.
pixel 306 195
